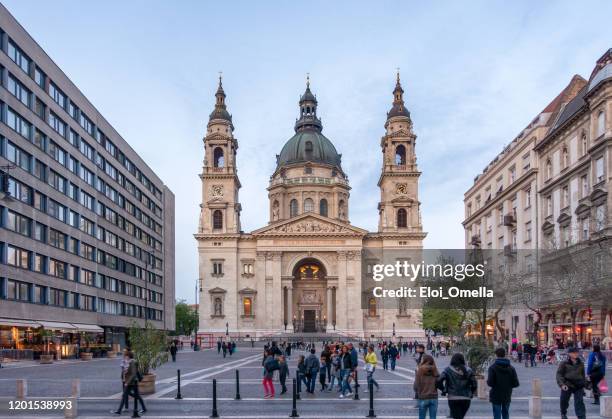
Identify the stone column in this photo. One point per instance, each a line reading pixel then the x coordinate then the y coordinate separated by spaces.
pixel 290 309
pixel 330 307
pixel 341 294
pixel 276 320
pixel 260 277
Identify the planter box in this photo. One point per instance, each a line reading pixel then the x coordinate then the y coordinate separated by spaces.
pixel 46 359
pixel 147 385
pixel 86 356
pixel 111 354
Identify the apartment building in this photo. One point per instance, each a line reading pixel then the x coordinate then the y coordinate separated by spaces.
pixel 505 210
pixel 86 227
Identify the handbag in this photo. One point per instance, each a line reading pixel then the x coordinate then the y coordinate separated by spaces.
pixel 603 386
pixel 369 367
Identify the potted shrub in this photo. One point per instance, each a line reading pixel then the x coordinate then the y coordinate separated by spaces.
pixel 149 347
pixel 46 357
pixel 86 354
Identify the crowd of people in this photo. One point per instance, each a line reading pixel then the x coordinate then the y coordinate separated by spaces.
pixel 335 368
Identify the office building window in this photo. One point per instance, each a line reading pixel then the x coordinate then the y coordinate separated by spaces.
pixel 18 90
pixel 18 57
pixel 57 95
pixel 18 257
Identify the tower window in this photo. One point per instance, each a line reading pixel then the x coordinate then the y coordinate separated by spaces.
pixel 219 159
pixel 293 208
pixel 217 220
pixel 323 207
pixel 308 205
pixel 402 218
pixel 400 155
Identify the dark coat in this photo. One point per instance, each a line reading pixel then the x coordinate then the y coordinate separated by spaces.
pixel 283 371
pixel 502 379
pixel 346 361
pixel 457 384
pixel 312 364
pixel 571 374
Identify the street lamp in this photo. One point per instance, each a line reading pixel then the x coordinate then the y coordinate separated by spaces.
pixel 226 329
pixel 393 329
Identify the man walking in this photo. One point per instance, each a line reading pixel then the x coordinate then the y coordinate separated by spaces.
pixel 312 369
pixel 131 388
pixel 571 378
pixel 502 379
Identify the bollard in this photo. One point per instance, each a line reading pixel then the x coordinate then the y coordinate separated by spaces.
pixel 605 406
pixel 237 386
pixel 76 388
pixel 179 396
pixel 356 387
pixel 294 413
pixel 299 383
pixel 371 413
pixel 481 389
pixel 535 407
pixel 536 387
pixel 70 411
pixel 22 389
pixel 214 413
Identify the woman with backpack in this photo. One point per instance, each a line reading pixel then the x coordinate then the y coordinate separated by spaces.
pixel 270 365
pixel 596 370
pixel 425 387
pixel 458 382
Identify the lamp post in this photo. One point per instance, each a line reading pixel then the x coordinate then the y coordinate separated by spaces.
pixel 226 329
pixel 393 329
pixel 294 324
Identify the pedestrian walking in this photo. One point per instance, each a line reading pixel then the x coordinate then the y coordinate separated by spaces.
pixel 173 350
pixel 322 373
pixel 218 346
pixel 370 367
pixel 596 371
pixel 270 365
pixel 224 349
pixel 425 387
pixel 502 378
pixel 458 383
pixel 312 369
pixel 393 354
pixel 335 376
pixel 125 363
pixel 572 380
pixel 384 354
pixel 346 365
pixel 301 372
pixel 283 373
pixel 132 377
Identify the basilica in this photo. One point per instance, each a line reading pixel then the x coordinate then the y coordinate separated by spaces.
pixel 305 271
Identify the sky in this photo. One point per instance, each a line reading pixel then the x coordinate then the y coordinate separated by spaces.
pixel 475 73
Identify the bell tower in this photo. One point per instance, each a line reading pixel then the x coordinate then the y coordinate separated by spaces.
pixel 399 207
pixel 220 207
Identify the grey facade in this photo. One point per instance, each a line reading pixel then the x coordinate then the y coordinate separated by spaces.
pixel 86 227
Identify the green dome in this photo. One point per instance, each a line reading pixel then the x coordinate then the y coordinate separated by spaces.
pixel 308 145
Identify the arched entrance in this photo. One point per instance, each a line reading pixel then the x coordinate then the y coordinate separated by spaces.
pixel 309 307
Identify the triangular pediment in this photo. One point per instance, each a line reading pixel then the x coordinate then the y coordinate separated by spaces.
pixel 247 290
pixel 310 224
pixel 403 199
pixel 400 133
pixel 217 290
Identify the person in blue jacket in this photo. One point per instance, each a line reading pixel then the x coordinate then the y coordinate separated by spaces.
pixel 596 370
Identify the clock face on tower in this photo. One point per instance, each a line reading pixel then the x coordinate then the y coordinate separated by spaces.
pixel 401 188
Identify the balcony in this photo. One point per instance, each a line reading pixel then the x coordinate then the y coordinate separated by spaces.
pixel 509 220
pixel 475 240
pixel 509 250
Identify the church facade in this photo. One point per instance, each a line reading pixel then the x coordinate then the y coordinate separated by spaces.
pixel 304 270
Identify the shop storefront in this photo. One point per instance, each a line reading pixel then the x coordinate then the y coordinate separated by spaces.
pixel 28 339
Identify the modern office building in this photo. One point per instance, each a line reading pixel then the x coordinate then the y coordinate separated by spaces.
pixel 86 227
